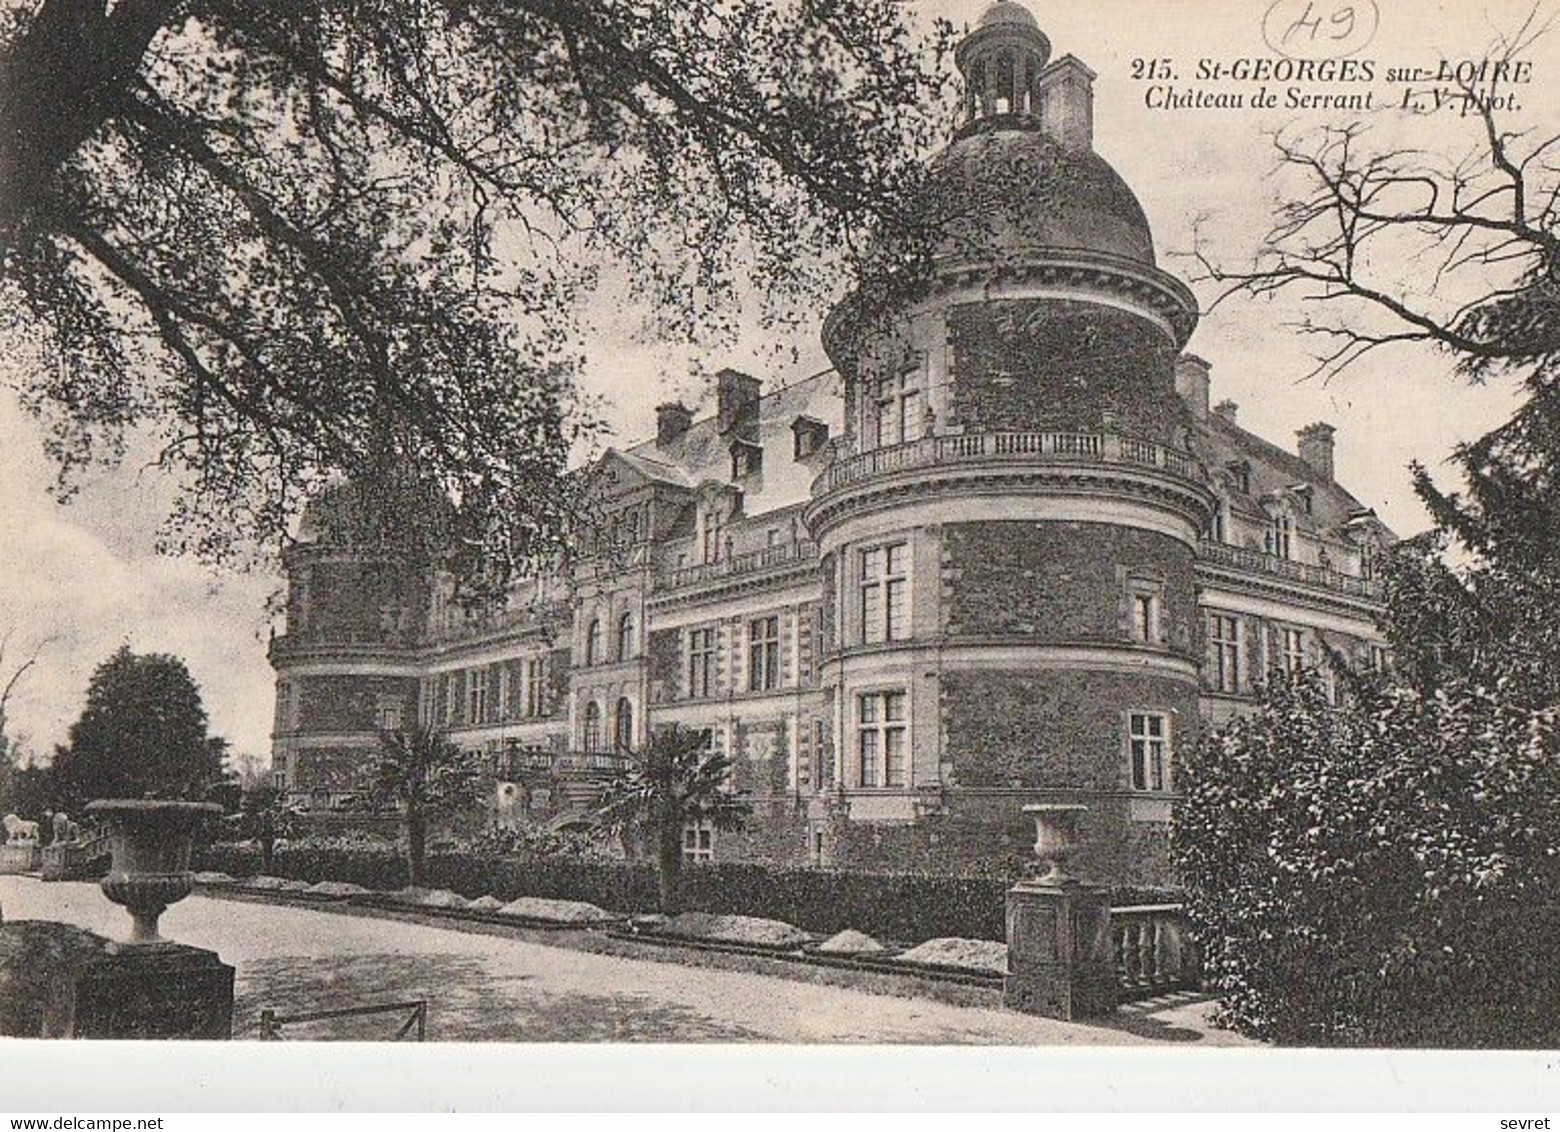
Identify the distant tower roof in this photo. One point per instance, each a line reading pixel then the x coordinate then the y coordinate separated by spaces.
pixel 1004 12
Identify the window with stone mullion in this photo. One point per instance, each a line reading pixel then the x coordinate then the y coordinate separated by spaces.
pixel 880 739
pixel 884 587
pixel 1150 745
pixel 764 654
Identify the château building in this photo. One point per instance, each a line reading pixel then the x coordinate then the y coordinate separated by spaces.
pixel 1005 551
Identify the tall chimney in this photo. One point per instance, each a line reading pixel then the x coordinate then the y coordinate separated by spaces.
pixel 1316 448
pixel 1067 102
pixel 736 396
pixel 1191 382
pixel 672 419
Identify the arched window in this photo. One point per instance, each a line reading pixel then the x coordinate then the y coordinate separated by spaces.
pixel 625 725
pixel 1005 83
pixel 625 641
pixel 591 736
pixel 593 642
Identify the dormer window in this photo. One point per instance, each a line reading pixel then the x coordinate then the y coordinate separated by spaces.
pixel 747 459
pixel 1281 536
pixel 1240 472
pixel 810 436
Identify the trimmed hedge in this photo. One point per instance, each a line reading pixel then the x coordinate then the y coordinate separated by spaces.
pixel 901 907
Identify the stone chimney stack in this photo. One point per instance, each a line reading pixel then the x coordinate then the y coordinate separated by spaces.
pixel 1191 382
pixel 736 396
pixel 1316 448
pixel 1067 102
pixel 672 419
pixel 1225 411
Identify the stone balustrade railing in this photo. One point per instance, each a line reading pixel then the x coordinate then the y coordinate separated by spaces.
pixel 1043 447
pixel 1152 950
pixel 1260 562
pixel 751 562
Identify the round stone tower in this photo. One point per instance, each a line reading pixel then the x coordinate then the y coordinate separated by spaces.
pixel 346 666
pixel 1009 528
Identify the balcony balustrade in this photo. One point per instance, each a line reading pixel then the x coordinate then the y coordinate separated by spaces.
pixel 1019 447
pixel 1249 561
pixel 752 562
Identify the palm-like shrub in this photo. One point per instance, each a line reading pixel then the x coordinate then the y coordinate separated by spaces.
pixel 423 774
pixel 675 781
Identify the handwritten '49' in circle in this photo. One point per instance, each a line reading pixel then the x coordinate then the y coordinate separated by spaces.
pixel 1320 29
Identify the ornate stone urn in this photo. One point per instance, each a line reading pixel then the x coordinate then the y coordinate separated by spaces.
pixel 151 843
pixel 1056 837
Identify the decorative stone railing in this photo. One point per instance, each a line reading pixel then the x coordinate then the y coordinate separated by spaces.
pixel 1251 561
pixel 752 562
pixel 1152 950
pixel 310 640
pixel 502 621
pixel 1019 447
pixel 591 762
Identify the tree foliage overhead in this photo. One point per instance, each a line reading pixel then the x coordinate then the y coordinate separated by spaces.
pixel 143 733
pixel 309 239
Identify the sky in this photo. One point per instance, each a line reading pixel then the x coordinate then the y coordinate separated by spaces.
pixel 81 579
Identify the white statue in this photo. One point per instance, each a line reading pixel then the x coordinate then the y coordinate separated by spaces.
pixel 19 832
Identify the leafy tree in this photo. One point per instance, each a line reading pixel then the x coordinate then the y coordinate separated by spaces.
pixel 1374 875
pixel 142 734
pixel 1363 874
pixel 423 774
pixel 305 240
pixel 675 781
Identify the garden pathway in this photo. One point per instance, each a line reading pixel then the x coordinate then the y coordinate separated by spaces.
pixel 491 988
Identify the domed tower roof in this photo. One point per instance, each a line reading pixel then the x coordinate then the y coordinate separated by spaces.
pixel 1005 13
pixel 1020 188
pixel 997 194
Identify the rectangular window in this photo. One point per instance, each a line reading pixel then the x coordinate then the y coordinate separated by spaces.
pixel 1283 536
pixel 1150 743
pixel 880 739
pixel 1379 660
pixel 701 663
pixel 387 714
pixel 535 687
pixel 764 654
pixel 1145 616
pixel 1224 653
pixel 885 587
pixel 452 689
pixel 899 409
pixel 476 693
pixel 1292 643
pixel 698 842
pixel 710 536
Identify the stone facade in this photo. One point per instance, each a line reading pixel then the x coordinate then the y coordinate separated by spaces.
pixel 1005 552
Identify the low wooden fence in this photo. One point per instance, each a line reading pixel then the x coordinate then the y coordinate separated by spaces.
pixel 416 1019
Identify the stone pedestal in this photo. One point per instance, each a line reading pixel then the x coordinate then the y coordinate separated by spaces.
pixel 20 857
pixel 61 981
pixel 1059 950
pixel 162 990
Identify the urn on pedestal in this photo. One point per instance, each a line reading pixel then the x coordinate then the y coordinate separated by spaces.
pixel 151 841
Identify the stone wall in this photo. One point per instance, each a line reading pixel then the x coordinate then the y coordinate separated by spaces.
pixel 1033 364
pixel 336 704
pixel 1062 582
pixel 1037 728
